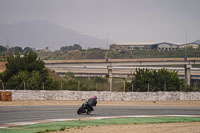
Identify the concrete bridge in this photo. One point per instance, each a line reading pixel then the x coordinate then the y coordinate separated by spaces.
pixel 125 67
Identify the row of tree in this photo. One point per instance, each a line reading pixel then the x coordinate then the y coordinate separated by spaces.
pixel 17 49
pixel 155 80
pixel 14 50
pixel 70 48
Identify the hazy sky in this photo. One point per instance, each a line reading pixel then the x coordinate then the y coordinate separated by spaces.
pixel 123 20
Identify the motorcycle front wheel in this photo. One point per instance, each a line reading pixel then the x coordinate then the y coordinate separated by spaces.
pixel 79 111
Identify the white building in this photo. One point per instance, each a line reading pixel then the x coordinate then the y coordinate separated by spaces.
pixel 189 45
pixel 131 46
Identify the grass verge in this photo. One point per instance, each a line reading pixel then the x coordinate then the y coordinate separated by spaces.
pixel 61 126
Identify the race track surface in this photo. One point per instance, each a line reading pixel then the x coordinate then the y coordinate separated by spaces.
pixel 10 114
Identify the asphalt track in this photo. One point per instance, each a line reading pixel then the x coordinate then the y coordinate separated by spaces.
pixel 10 114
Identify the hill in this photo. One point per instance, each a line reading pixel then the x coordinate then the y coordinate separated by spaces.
pixel 41 34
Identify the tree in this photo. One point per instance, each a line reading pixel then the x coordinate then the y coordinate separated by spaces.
pixel 29 62
pixel 28 70
pixel 18 80
pixel 2 49
pixel 70 48
pixel 15 50
pixel 77 47
pixel 142 79
pixel 28 49
pixel 152 80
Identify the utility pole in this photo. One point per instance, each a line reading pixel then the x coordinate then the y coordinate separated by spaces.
pixel 132 87
pixel 3 86
pixel 78 86
pixel 7 45
pixel 7 39
pixel 24 85
pixel 43 85
pixel 187 66
pixel 85 53
pixel 107 41
pixel 185 58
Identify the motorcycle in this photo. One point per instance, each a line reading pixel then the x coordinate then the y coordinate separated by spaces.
pixel 85 108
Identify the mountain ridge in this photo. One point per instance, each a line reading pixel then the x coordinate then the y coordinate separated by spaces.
pixel 41 34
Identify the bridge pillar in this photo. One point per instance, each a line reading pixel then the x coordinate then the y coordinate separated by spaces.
pixel 110 76
pixel 187 73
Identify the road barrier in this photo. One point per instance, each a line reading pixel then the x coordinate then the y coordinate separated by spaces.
pixel 5 96
pixel 102 95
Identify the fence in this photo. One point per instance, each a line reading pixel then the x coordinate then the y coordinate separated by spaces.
pixel 100 84
pixel 102 95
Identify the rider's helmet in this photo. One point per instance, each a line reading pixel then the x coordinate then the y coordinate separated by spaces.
pixel 95 97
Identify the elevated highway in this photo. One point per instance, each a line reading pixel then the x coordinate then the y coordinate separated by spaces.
pixel 125 67
pixel 119 72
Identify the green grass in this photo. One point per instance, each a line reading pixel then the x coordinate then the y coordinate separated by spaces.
pixel 129 54
pixel 54 126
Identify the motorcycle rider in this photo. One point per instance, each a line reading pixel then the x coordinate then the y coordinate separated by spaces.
pixel 92 102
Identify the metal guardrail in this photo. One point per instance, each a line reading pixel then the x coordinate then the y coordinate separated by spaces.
pixel 195 60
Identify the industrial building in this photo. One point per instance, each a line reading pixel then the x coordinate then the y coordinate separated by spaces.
pixel 164 46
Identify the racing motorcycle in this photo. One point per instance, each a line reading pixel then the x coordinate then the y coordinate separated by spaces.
pixel 85 108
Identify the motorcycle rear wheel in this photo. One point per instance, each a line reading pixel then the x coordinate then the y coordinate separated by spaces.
pixel 79 111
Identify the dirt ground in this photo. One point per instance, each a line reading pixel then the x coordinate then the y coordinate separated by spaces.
pixel 140 128
pixel 123 103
